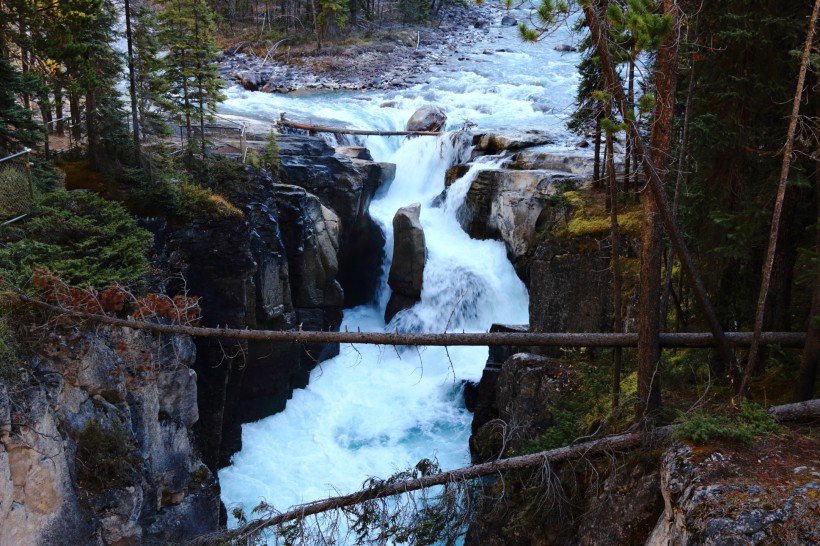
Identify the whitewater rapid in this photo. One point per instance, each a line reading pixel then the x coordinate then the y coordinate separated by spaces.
pixel 372 411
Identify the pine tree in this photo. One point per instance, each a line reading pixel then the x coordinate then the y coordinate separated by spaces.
pixel 194 86
pixel 17 128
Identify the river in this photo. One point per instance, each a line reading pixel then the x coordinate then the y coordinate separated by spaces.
pixel 372 411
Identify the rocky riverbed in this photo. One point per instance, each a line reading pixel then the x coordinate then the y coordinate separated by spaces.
pixel 391 57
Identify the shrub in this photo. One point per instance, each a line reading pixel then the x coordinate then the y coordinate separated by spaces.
pixel 197 202
pixel 104 458
pixel 88 240
pixel 747 425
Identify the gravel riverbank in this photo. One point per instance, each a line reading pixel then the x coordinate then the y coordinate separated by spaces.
pixel 391 58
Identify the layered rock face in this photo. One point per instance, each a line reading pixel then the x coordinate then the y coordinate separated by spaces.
pixel 303 251
pixel 95 444
pixel 346 185
pixel 409 256
pixel 514 203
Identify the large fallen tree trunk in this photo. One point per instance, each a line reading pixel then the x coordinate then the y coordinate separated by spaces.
pixel 790 412
pixel 518 339
pixel 341 131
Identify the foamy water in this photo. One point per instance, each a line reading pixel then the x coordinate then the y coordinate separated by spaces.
pixel 374 410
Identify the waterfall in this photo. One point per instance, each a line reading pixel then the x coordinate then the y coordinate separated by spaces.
pixel 374 410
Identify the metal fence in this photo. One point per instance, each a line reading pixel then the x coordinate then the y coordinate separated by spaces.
pixel 16 188
pixel 223 136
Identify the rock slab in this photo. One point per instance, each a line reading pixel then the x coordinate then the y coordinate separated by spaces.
pixel 409 257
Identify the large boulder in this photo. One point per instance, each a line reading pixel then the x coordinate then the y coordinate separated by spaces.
pixel 493 143
pixel 735 494
pixel 427 118
pixel 409 257
pixel 514 206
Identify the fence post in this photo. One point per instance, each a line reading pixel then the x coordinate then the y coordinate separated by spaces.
pixel 28 173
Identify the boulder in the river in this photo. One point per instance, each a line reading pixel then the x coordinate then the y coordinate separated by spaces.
pixel 409 257
pixel 565 48
pixel 427 118
pixel 492 143
pixel 508 21
pixel 250 80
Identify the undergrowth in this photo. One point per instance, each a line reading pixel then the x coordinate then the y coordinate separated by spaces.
pixel 745 426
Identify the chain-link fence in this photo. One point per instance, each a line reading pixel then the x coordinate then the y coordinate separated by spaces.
pixel 16 189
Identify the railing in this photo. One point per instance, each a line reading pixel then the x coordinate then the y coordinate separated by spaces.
pixel 16 187
pixel 219 136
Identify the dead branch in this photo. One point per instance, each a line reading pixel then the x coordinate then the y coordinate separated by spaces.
pixel 379 489
pixel 518 339
pixel 338 131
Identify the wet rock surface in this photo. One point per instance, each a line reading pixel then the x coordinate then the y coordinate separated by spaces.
pixel 409 256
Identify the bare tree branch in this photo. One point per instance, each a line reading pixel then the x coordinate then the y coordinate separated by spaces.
pixel 790 412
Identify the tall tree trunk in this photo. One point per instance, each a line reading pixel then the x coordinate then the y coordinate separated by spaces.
pixel 76 115
pixel 683 157
pixel 596 167
pixel 132 80
pixel 59 125
pixel 660 142
pixel 777 216
pixel 630 98
pixel 615 234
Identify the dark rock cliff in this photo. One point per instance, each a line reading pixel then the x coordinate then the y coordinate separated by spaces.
pixel 294 260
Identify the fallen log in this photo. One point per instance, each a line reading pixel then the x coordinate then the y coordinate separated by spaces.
pixel 340 131
pixel 518 339
pixel 789 412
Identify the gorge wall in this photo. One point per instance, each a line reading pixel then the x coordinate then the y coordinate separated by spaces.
pixel 96 443
pixel 305 248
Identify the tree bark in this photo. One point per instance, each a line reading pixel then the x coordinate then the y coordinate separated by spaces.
pixel 777 216
pixel 615 234
pixel 660 142
pixel 132 80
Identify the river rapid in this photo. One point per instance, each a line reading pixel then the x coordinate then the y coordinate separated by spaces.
pixel 372 411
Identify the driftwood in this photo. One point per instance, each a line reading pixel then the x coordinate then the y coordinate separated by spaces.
pixel 790 412
pixel 520 339
pixel 335 130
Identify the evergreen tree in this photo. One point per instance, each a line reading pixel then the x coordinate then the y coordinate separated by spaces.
pixel 194 86
pixel 17 128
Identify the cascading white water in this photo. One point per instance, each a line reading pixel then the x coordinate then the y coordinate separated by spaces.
pixel 374 410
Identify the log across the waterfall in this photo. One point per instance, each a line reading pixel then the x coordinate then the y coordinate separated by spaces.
pixel 285 123
pixel 522 339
